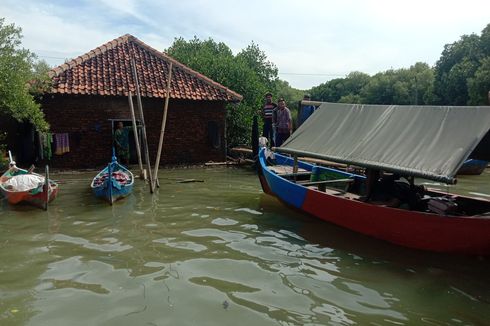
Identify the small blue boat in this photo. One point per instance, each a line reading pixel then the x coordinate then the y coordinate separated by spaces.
pixel 114 182
pixel 472 167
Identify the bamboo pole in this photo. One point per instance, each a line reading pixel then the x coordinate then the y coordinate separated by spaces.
pixel 46 188
pixel 314 103
pixel 136 137
pixel 164 122
pixel 143 126
pixel 109 182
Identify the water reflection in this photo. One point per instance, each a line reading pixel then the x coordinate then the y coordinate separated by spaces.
pixel 217 252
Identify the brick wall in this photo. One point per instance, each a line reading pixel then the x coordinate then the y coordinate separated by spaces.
pixel 86 119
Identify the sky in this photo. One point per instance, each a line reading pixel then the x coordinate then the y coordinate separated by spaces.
pixel 310 41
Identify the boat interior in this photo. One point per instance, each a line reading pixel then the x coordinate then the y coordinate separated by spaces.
pixel 396 192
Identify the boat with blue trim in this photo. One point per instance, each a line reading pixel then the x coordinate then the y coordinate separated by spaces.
pixel 390 206
pixel 113 182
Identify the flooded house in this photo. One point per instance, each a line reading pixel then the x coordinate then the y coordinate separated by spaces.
pixel 89 96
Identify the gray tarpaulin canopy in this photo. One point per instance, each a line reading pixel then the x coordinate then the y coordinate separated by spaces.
pixel 431 142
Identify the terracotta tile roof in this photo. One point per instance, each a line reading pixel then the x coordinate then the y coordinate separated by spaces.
pixel 107 70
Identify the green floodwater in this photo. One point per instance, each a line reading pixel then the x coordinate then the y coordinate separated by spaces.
pixel 220 252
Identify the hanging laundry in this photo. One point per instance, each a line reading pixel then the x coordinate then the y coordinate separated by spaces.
pixel 45 140
pixel 62 143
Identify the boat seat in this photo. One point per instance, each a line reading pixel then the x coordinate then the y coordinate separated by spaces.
pixel 292 175
pixel 285 170
pixel 322 185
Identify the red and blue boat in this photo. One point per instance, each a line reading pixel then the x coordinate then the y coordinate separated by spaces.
pixel 24 186
pixel 375 137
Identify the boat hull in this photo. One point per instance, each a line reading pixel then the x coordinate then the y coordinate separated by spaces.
pixel 111 189
pixel 473 167
pixel 104 193
pixel 31 197
pixel 419 230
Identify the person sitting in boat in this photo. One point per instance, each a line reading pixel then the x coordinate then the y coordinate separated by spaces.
pixel 381 188
pixel 387 188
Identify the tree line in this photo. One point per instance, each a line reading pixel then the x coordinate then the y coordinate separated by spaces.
pixel 461 76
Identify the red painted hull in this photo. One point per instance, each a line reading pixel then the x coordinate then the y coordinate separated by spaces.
pixel 467 235
pixel 419 230
pixel 37 199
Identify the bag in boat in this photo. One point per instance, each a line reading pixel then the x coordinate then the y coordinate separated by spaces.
pixel 442 206
pixel 24 182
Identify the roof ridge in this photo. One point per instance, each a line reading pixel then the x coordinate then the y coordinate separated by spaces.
pixel 197 74
pixel 89 55
pixel 126 38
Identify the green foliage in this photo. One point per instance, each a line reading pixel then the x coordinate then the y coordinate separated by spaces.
pixel 335 89
pixel 460 77
pixel 3 151
pixel 16 72
pixel 402 86
pixel 456 81
pixel 248 73
pixel 40 81
pixel 479 84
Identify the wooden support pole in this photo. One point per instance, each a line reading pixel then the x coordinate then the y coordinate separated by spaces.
pixel 109 182
pixel 143 127
pixel 136 137
pixel 295 166
pixel 46 188
pixel 164 122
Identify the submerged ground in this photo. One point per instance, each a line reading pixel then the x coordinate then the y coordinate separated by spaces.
pixel 220 252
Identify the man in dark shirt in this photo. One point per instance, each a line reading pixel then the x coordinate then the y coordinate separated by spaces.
pixel 305 111
pixel 267 115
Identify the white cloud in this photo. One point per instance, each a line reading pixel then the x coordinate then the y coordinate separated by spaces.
pixel 310 37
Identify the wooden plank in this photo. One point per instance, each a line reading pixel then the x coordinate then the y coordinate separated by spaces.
pixel 286 169
pixel 313 183
pixel 323 162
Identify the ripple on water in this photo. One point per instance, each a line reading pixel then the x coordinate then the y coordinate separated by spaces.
pixel 224 221
pixel 248 210
pixel 186 245
pixel 105 247
pixel 245 260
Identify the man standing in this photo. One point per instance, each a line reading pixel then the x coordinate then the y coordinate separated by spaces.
pixel 121 139
pixel 305 111
pixel 267 116
pixel 284 123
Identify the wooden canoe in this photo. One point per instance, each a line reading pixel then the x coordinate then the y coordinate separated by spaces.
pixel 466 231
pixel 36 194
pixel 113 182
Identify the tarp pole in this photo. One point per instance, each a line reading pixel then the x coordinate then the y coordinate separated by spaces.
pixel 164 122
pixel 136 137
pixel 143 126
